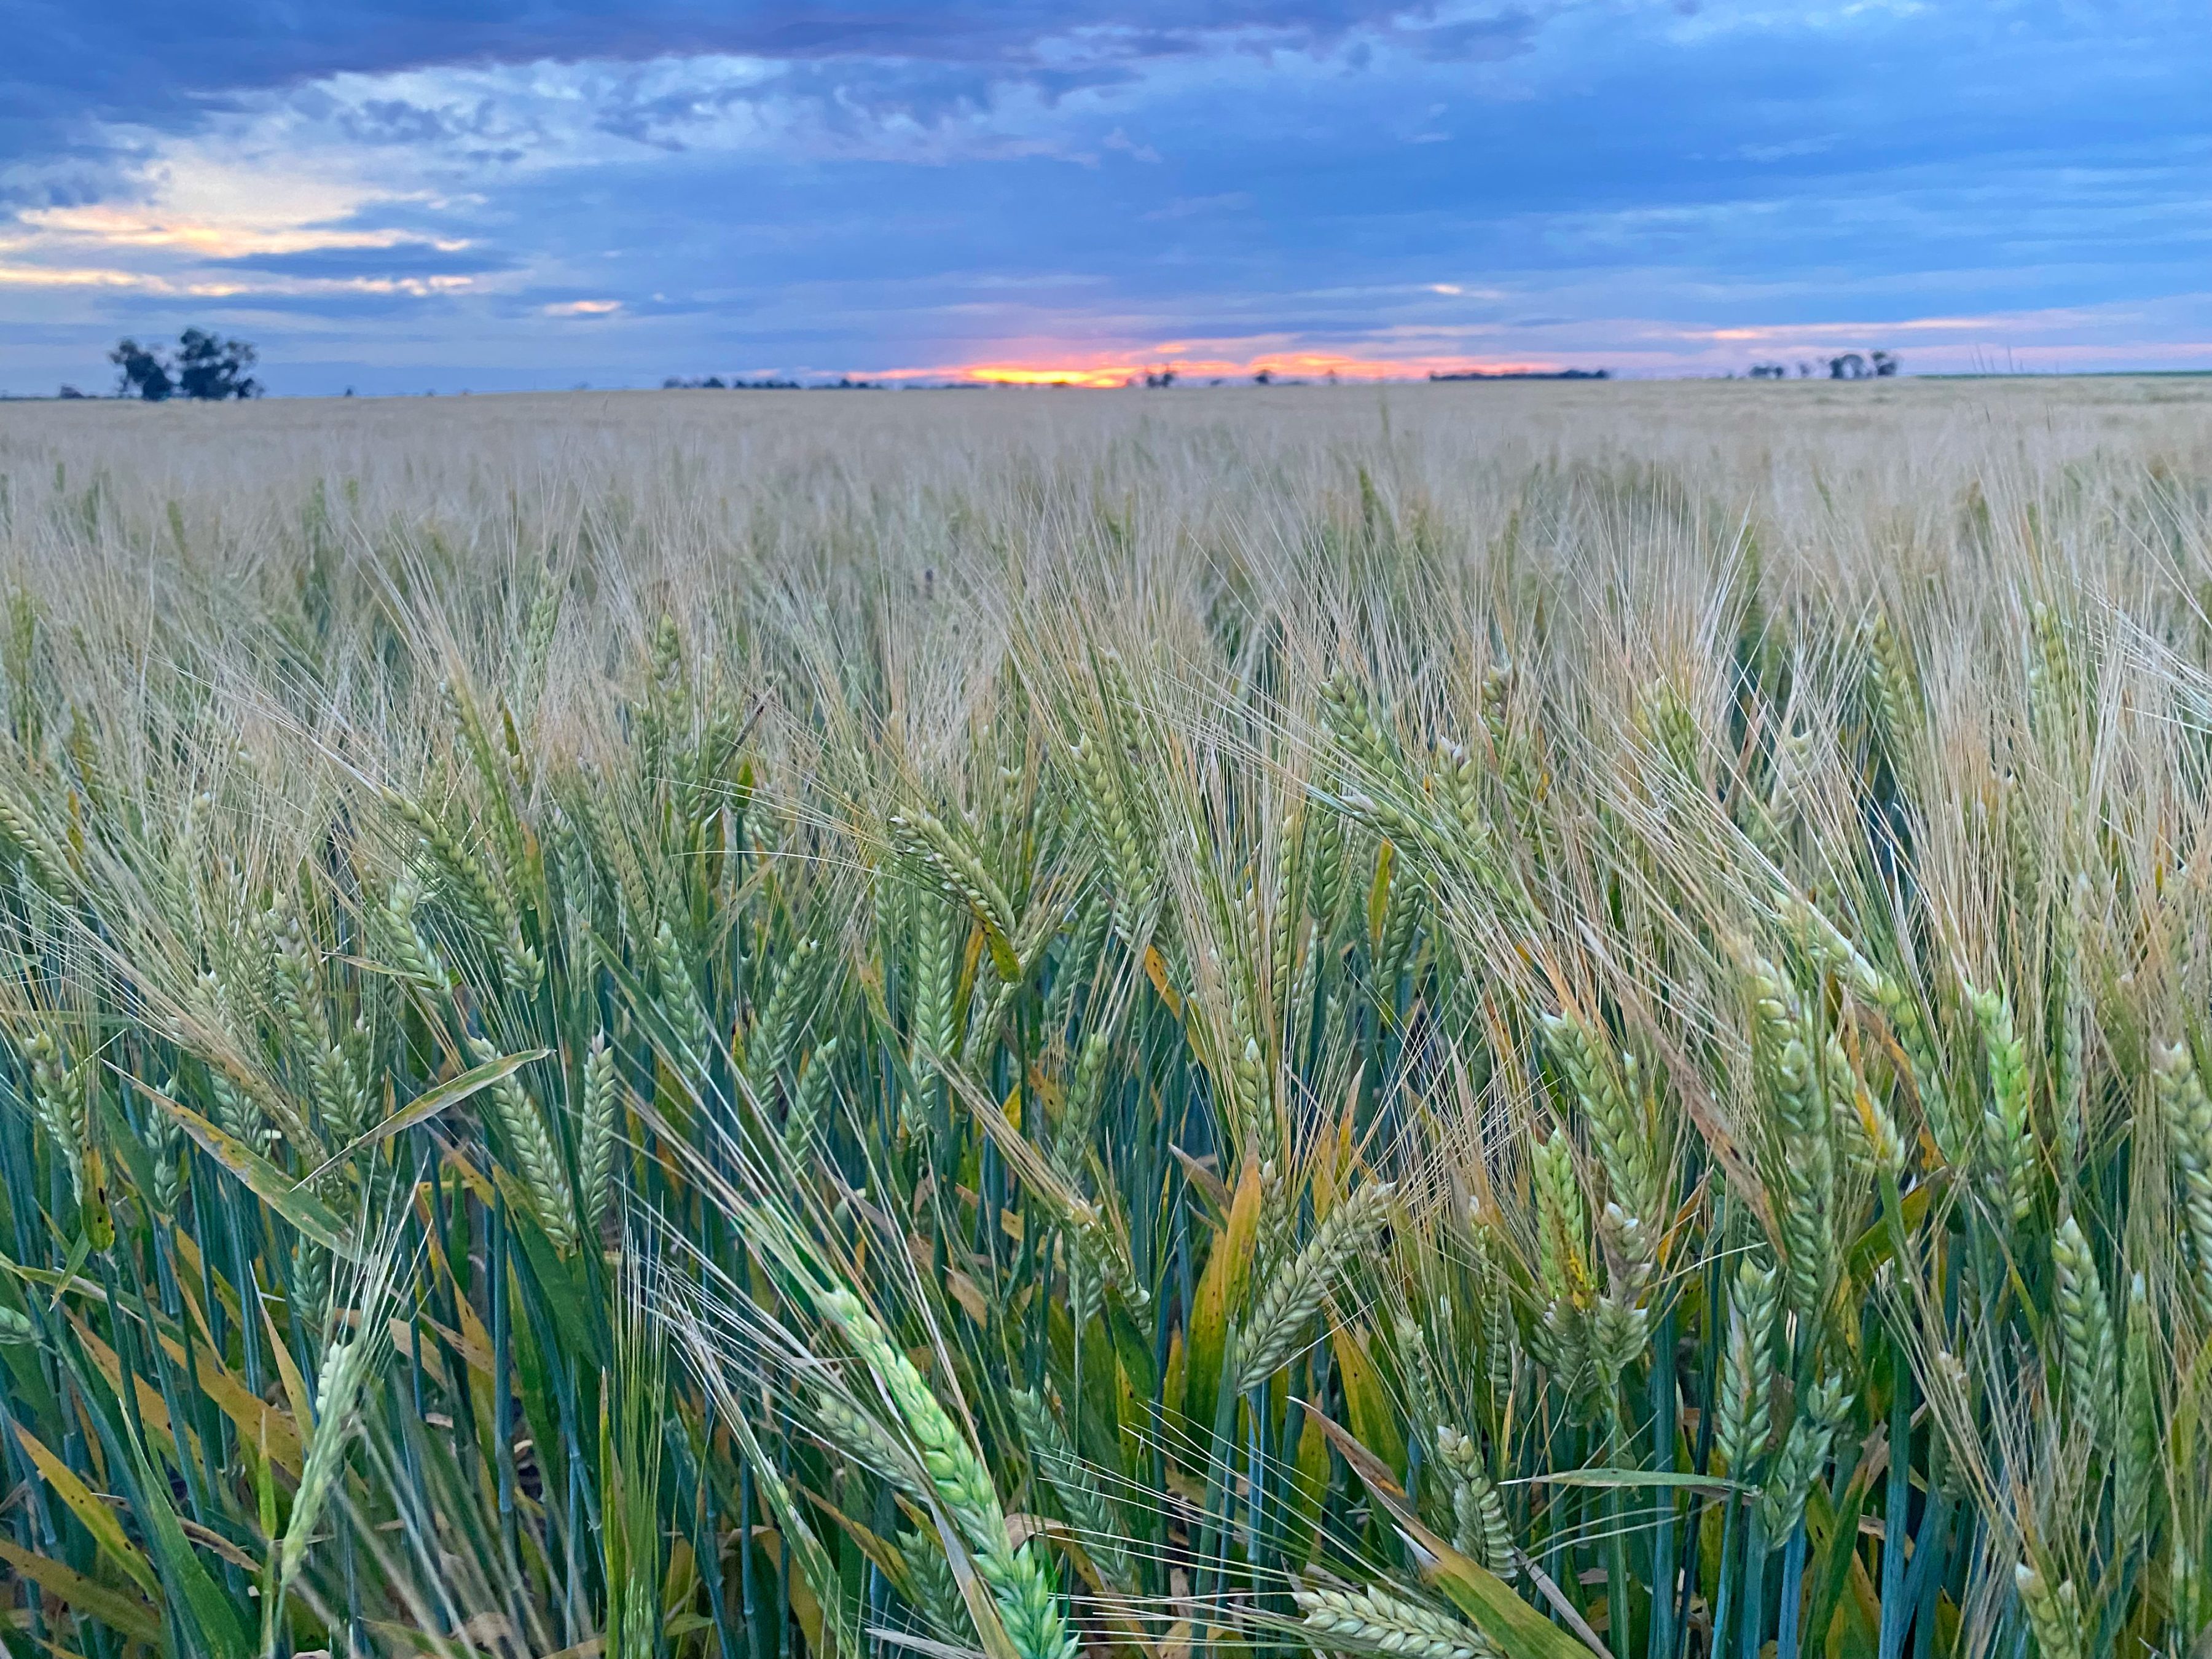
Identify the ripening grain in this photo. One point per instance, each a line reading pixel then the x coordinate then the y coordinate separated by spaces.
pixel 1467 1023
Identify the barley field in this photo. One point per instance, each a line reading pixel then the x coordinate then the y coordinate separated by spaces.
pixel 1475 1021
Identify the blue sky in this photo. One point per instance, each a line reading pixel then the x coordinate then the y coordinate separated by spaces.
pixel 404 195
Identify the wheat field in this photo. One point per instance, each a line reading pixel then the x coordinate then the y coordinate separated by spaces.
pixel 1472 1021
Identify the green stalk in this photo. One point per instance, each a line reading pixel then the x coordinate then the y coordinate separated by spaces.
pixel 127 1382
pixel 1724 1594
pixel 1754 1584
pixel 1897 1494
pixel 748 1591
pixel 1925 1581
pixel 197 1487
pixel 1213 1542
pixel 213 1426
pixel 1619 1619
pixel 782 1555
pixel 1793 1592
pixel 706 1530
pixel 1702 1453
pixel 1661 1643
pixel 502 1393
pixel 1257 1457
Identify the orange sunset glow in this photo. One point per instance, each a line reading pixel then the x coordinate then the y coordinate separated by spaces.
pixel 1106 373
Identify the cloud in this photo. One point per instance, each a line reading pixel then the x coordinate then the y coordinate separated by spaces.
pixel 1788 149
pixel 398 258
pixel 145 61
pixel 94 277
pixel 1474 40
pixel 1039 186
pixel 229 240
pixel 1192 207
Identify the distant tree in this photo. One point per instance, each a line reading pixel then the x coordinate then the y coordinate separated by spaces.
pixel 1160 378
pixel 213 370
pixel 1768 372
pixel 206 368
pixel 1855 365
pixel 144 374
pixel 1265 377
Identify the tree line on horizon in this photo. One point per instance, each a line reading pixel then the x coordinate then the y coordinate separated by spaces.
pixel 204 367
pixel 1843 366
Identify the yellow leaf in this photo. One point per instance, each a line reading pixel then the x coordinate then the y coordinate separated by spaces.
pixel 153 1410
pixel 1367 1401
pixel 296 1386
pixel 1156 970
pixel 99 1520
pixel 1378 893
pixel 1220 1293
pixel 259 1421
pixel 110 1606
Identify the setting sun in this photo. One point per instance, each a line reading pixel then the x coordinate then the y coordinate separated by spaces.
pixel 1304 366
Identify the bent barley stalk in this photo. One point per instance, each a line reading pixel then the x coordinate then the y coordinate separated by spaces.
pixel 1374 1620
pixel 1211 1024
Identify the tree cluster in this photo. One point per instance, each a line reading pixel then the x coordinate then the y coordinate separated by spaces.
pixel 1846 366
pixel 204 367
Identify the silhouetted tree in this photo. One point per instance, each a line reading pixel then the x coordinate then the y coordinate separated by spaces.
pixel 144 374
pixel 1884 363
pixel 1848 367
pixel 213 370
pixel 206 369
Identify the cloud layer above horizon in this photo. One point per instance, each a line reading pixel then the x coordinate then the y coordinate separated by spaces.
pixel 401 195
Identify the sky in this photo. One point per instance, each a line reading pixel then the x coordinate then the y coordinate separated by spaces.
pixel 403 196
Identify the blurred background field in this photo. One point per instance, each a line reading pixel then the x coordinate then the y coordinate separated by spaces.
pixel 1740 427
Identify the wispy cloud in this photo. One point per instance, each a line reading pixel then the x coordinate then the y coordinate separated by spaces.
pixel 1196 206
pixel 90 276
pixel 125 226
